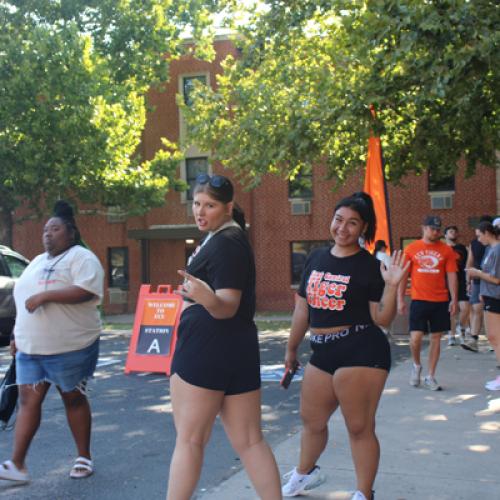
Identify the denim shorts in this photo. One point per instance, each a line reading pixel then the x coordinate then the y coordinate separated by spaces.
pixel 68 370
pixel 474 293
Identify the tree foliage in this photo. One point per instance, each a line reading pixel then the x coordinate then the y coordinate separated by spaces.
pixel 74 75
pixel 310 69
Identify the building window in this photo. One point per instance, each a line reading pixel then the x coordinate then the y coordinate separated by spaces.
pixel 194 167
pixel 441 190
pixel 299 252
pixel 188 84
pixel 440 183
pixel 301 186
pixel 118 268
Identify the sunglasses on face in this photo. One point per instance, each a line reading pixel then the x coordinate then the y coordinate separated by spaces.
pixel 216 181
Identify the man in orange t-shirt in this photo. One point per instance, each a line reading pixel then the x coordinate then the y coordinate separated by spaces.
pixel 433 266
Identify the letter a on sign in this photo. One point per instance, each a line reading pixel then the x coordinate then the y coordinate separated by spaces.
pixel 155 345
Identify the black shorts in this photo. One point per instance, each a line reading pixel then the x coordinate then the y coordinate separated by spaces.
pixel 359 345
pixel 426 316
pixel 491 304
pixel 221 355
pixel 462 291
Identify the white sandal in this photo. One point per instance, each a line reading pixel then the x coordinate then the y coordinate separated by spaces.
pixel 10 472
pixel 83 468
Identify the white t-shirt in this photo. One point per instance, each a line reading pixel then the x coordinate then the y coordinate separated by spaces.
pixel 55 328
pixel 382 256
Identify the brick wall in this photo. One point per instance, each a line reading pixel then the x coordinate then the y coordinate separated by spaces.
pixel 267 209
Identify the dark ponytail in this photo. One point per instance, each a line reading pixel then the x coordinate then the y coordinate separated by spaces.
pixel 362 203
pixel 239 216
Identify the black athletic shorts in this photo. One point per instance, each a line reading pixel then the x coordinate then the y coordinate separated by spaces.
pixel 221 355
pixel 426 316
pixel 359 345
pixel 462 291
pixel 491 304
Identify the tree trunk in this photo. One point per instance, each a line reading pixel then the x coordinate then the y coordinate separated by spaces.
pixel 6 223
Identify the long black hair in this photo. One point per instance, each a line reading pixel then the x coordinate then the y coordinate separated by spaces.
pixel 362 203
pixel 63 210
pixel 221 190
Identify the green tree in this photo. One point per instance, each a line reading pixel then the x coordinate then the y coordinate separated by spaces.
pixel 74 75
pixel 310 69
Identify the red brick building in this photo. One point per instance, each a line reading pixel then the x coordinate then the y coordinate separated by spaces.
pixel 149 249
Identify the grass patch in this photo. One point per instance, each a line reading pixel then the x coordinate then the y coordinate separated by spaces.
pixel 273 326
pixel 117 326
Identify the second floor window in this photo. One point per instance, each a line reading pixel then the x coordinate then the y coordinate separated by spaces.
pixel 301 186
pixel 194 167
pixel 440 182
pixel 188 83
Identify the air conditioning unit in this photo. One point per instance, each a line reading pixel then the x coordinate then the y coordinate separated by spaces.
pixel 116 215
pixel 440 201
pixel 117 296
pixel 300 207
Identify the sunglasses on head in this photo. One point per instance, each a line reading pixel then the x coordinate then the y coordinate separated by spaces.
pixel 216 181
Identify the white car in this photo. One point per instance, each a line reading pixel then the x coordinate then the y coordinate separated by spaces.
pixel 12 264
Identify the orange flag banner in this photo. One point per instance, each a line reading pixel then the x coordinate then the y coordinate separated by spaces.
pixel 376 187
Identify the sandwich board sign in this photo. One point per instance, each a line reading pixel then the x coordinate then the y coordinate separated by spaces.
pixel 154 335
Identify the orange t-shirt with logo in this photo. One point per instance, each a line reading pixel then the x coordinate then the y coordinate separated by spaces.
pixel 429 264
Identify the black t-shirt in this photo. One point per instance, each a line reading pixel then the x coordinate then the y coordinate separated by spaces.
pixel 226 261
pixel 477 249
pixel 461 252
pixel 338 289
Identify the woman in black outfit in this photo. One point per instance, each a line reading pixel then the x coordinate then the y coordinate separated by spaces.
pixel 216 365
pixel 345 292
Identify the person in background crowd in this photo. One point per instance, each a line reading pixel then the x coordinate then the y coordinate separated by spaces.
pixel 380 252
pixel 489 276
pixel 216 365
pixel 474 258
pixel 461 327
pixel 56 339
pixel 344 294
pixel 433 272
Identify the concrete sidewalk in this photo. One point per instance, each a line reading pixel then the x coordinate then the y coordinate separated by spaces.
pixel 434 445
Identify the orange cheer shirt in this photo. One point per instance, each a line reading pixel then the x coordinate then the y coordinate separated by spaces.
pixel 429 264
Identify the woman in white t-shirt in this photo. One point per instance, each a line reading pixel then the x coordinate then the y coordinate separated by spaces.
pixel 380 252
pixel 56 339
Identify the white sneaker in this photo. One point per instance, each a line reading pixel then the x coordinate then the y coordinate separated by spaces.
pixel 299 483
pixel 431 383
pixel 358 495
pixel 416 370
pixel 471 345
pixel 493 385
pixel 451 340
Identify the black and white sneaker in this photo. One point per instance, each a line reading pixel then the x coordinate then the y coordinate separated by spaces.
pixel 299 483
